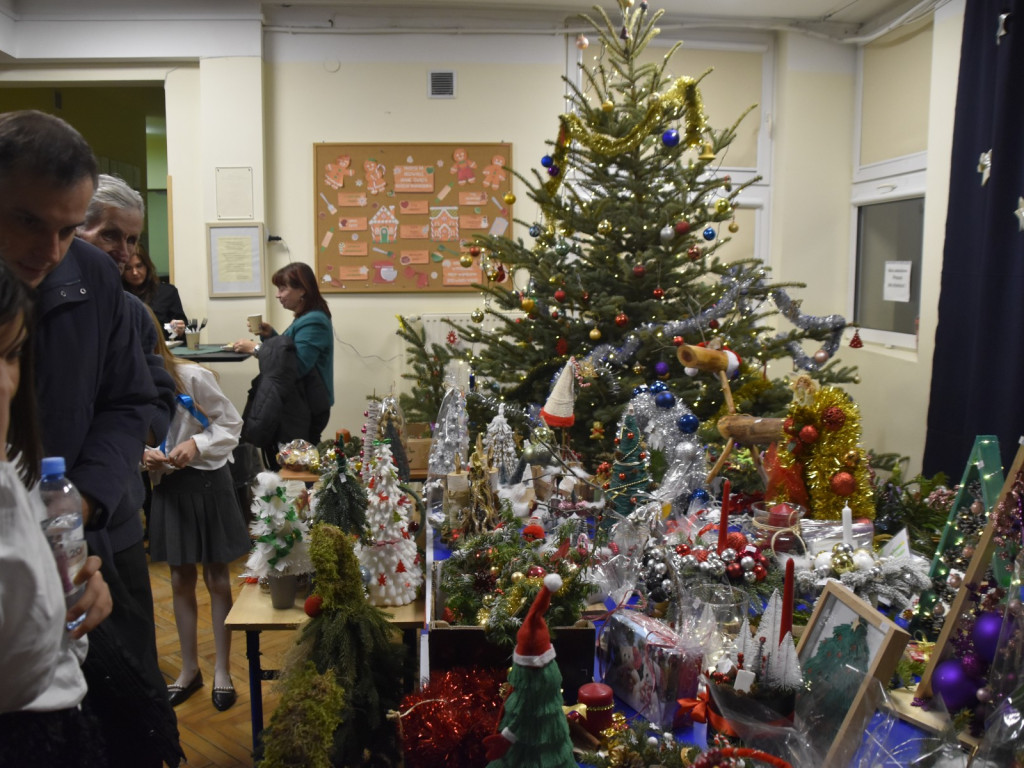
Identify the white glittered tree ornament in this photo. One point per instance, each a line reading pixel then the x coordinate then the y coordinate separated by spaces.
pixel 370 430
pixel 389 551
pixel 500 442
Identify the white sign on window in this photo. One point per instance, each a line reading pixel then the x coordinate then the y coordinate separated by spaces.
pixel 897 281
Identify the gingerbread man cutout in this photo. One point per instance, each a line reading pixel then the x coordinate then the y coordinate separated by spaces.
pixel 335 173
pixel 374 174
pixel 463 168
pixel 494 174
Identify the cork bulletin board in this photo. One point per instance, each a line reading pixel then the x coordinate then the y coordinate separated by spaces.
pixel 397 218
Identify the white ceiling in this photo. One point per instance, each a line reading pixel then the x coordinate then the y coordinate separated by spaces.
pixel 837 19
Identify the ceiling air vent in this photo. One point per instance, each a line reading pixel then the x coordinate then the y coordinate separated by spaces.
pixel 441 85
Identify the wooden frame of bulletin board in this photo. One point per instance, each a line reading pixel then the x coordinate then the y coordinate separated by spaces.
pixel 397 218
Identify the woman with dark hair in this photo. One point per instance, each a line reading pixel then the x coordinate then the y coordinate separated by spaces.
pixel 310 387
pixel 140 278
pixel 41 720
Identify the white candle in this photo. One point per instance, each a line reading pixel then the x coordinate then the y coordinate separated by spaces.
pixel 847 525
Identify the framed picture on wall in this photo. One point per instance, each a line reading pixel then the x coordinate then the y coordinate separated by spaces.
pixel 847 650
pixel 236 260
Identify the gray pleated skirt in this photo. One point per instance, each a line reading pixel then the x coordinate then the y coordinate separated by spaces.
pixel 194 518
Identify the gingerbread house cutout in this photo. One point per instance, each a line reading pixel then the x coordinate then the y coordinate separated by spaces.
pixel 384 225
pixel 444 224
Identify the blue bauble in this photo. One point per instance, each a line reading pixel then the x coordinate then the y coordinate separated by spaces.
pixel 535 230
pixel 658 386
pixel 699 495
pixel 639 390
pixel 665 400
pixel 670 138
pixel 547 161
pixel 688 423
pixel 957 688
pixel 709 233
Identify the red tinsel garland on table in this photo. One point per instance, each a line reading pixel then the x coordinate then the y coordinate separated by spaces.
pixel 445 723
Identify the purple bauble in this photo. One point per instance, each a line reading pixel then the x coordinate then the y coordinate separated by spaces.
pixel 661 368
pixel 985 635
pixel 957 689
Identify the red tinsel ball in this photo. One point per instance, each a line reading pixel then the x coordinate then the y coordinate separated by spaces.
pixel 842 484
pixel 833 418
pixel 313 606
pixel 809 434
pixel 700 554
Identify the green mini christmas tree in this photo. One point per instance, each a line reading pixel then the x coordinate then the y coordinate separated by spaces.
pixel 630 477
pixel 625 262
pixel 340 496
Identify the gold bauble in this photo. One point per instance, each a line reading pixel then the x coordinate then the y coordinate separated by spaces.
pixel 722 205
pixel 734 227
pixel 608 105
pixel 604 226
pixel 488 599
pixel 466 260
pixel 509 198
pixel 477 315
pixel 527 305
pixel 638 369
pixel 571 568
pixel 852 458
pixel 843 563
pixel 482 617
pixel 595 334
pixel 517 576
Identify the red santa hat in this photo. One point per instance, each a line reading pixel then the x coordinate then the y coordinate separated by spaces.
pixel 533 643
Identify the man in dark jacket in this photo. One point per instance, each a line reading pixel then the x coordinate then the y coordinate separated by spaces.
pixel 96 396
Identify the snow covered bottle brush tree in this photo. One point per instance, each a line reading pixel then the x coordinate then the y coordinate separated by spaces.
pixel 388 550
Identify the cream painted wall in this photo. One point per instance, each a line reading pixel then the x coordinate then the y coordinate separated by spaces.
pixel 894 394
pixel 335 88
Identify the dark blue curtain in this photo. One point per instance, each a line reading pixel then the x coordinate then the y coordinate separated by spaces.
pixel 978 369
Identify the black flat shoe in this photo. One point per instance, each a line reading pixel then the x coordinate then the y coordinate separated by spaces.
pixel 224 698
pixel 177 693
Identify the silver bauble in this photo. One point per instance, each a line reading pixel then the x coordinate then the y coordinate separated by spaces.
pixel 728 555
pixel 747 563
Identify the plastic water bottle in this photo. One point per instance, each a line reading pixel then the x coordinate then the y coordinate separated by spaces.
pixel 64 526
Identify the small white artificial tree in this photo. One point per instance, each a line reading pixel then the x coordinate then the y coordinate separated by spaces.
pixel 388 551
pixel 500 442
pixel 279 527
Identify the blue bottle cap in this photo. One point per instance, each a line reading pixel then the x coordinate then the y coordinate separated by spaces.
pixel 53 465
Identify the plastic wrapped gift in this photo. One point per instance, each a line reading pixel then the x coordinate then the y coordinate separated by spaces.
pixel 648 665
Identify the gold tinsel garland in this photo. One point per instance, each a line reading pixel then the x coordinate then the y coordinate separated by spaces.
pixel 682 99
pixel 836 450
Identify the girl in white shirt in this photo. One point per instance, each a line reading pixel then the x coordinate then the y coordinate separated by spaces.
pixel 41 723
pixel 195 518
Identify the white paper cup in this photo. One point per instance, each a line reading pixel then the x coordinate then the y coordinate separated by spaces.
pixel 192 339
pixel 255 321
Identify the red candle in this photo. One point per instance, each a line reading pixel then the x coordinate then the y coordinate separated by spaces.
pixel 786 624
pixel 598 699
pixel 723 522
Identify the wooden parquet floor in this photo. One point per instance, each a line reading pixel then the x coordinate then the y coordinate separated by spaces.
pixel 213 739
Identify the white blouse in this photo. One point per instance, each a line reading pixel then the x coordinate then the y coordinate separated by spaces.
pixel 39 663
pixel 215 441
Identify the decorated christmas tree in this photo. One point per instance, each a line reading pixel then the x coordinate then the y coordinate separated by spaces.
pixel 388 551
pixel 630 477
pixel 627 258
pixel 427 366
pixel 500 442
pixel 340 498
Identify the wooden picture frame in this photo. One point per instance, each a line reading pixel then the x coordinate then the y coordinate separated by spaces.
pixel 836 608
pixel 236 259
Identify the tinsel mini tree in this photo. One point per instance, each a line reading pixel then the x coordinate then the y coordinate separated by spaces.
pixel 388 550
pixel 371 435
pixel 627 258
pixel 500 442
pixel 339 494
pixel 630 477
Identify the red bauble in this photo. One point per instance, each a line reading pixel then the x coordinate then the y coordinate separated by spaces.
pixel 713 324
pixel 678 341
pixel 536 572
pixel 621 319
pixel 700 554
pixel 833 418
pixel 554 314
pixel 474 250
pixel 659 293
pixel 734 571
pixel 682 549
pixel 560 295
pixel 809 434
pixel 693 252
pixel 313 606
pixel 561 347
pixel 789 427
pixel 585 297
pixel 760 572
pixel 682 227
pixel 843 484
pixel 639 270
pixel 736 540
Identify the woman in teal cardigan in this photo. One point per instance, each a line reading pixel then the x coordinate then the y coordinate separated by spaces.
pixel 311 331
